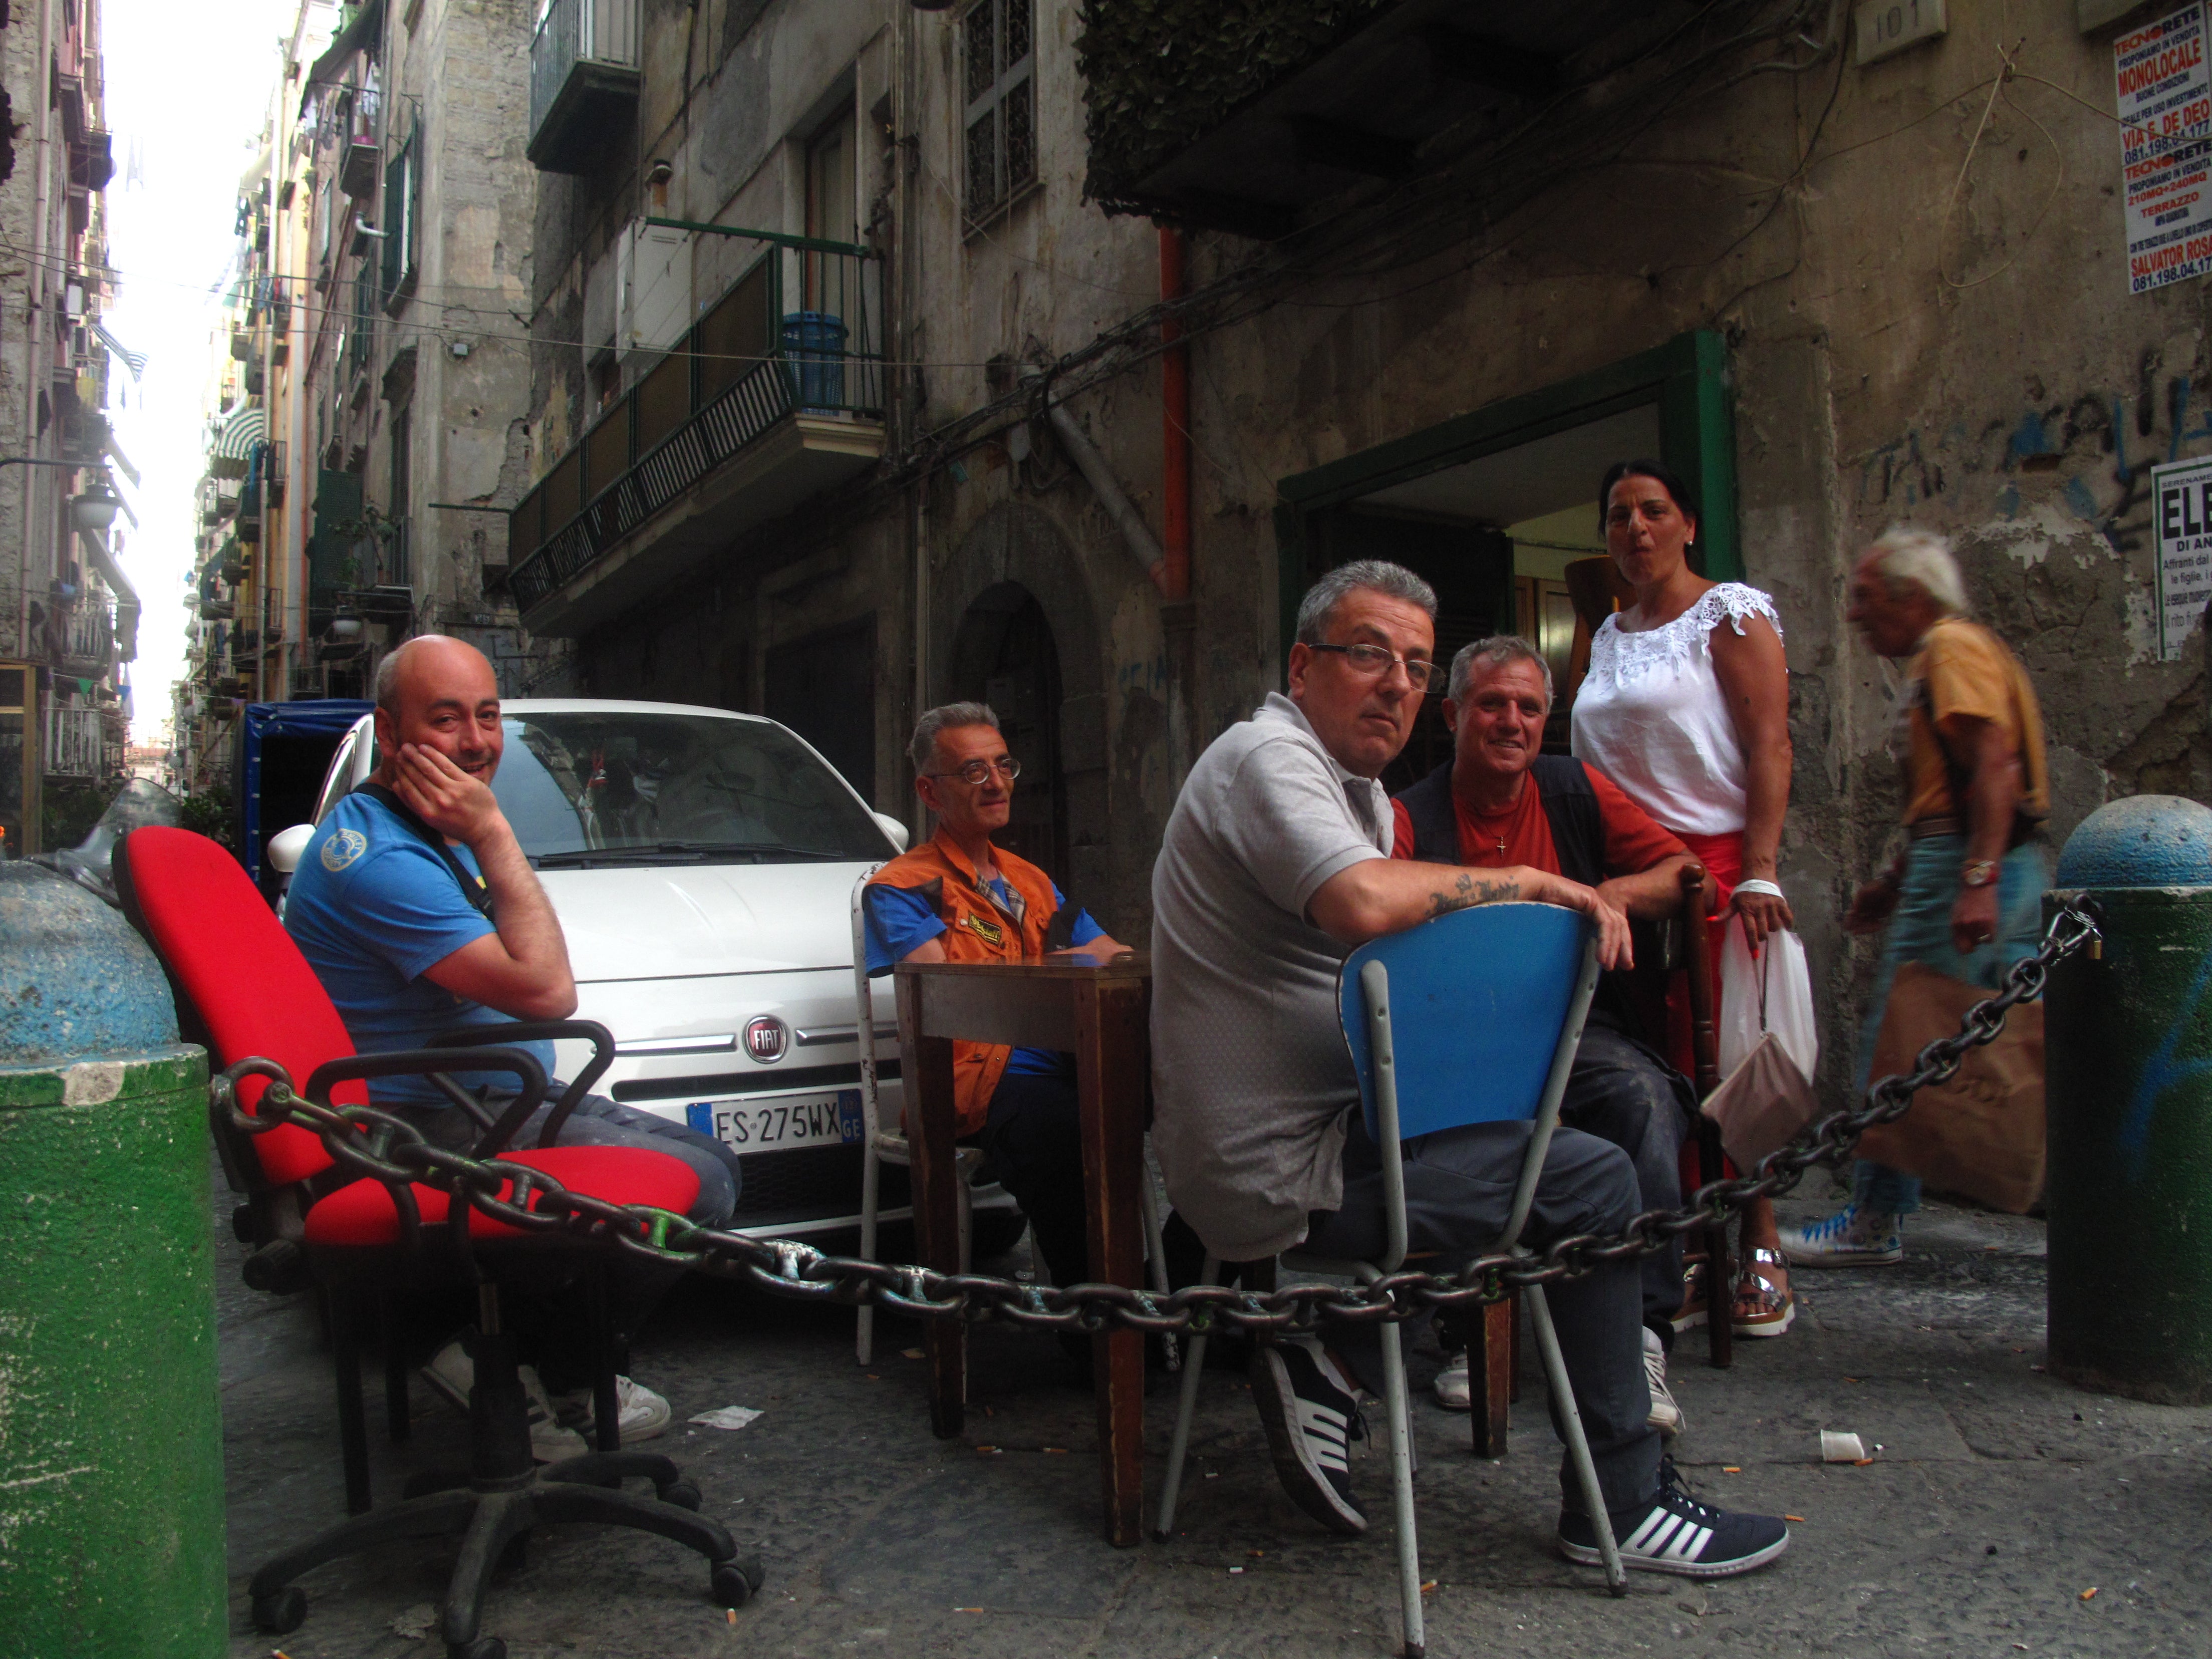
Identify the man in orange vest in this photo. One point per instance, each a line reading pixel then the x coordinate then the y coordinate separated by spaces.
pixel 957 899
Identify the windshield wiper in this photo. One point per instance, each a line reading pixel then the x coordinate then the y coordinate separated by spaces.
pixel 687 852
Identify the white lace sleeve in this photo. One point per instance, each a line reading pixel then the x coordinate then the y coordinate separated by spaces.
pixel 1735 601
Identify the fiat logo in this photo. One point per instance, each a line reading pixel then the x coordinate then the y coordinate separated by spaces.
pixel 766 1038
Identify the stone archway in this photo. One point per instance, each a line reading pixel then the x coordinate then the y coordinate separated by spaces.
pixel 1013 610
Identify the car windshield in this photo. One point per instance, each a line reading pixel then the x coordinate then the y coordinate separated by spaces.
pixel 587 789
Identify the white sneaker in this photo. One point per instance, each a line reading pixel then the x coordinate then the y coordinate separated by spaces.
pixel 1666 1415
pixel 454 1374
pixel 640 1413
pixel 1851 1238
pixel 1455 1386
pixel 550 1439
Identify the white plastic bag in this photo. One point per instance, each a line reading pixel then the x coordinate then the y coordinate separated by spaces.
pixel 1782 1005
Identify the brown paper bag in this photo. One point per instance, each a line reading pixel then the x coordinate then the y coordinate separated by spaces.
pixel 1981 1134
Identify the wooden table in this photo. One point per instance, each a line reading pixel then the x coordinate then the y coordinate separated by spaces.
pixel 1102 1015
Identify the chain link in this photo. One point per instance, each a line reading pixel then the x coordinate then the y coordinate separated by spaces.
pixel 374 1144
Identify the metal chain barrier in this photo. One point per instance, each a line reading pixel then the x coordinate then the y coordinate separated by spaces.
pixel 376 1145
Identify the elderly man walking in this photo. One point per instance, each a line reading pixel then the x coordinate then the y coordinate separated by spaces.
pixel 1275 865
pixel 1964 896
pixel 1499 801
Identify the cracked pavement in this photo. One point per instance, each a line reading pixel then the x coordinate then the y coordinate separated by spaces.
pixel 1997 1497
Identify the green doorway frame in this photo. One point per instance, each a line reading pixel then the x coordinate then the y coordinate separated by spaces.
pixel 1687 378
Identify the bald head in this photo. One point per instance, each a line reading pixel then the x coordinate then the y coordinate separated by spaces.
pixel 439 693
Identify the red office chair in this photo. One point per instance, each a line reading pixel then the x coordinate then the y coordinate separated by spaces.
pixel 244 989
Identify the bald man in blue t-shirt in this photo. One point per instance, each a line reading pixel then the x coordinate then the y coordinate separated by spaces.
pixel 410 945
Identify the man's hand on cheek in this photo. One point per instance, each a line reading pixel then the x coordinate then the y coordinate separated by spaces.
pixel 446 798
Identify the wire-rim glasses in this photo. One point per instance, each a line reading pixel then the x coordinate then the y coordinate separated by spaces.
pixel 977 770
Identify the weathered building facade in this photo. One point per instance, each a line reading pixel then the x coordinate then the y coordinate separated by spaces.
pixel 1433 267
pixel 68 616
pixel 382 371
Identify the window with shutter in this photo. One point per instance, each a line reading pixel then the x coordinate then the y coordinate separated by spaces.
pixel 403 200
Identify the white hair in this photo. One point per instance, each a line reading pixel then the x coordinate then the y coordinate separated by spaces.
pixel 1497 651
pixel 1905 553
pixel 1319 606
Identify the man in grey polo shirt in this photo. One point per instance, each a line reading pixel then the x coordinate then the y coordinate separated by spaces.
pixel 1274 867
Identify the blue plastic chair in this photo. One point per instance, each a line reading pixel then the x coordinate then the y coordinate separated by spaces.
pixel 1472 1018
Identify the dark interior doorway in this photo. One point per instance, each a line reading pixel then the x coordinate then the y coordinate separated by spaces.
pixel 1004 655
pixel 824 688
pixel 1471 567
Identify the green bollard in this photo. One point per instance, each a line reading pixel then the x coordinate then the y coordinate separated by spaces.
pixel 2129 1070
pixel 111 1439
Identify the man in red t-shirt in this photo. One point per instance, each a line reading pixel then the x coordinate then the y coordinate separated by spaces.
pixel 1499 802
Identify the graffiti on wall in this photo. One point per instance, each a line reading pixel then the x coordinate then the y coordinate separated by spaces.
pixel 2099 443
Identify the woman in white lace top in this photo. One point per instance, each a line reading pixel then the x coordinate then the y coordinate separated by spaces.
pixel 1686 705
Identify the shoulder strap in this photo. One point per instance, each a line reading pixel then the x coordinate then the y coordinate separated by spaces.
pixel 1436 827
pixel 472 886
pixel 1569 804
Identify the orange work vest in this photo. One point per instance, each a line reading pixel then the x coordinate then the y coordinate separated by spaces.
pixel 977 930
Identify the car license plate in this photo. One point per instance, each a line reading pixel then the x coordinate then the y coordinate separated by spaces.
pixel 772 1123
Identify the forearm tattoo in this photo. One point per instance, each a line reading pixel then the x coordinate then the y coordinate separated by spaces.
pixel 1468 891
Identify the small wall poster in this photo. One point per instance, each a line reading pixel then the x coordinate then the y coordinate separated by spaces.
pixel 2182 493
pixel 2164 99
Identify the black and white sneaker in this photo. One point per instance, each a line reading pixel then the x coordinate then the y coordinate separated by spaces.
pixel 1311 1415
pixel 1675 1533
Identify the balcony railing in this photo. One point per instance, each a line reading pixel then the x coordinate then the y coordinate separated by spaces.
pixel 88 632
pixel 748 365
pixel 73 743
pixel 583 82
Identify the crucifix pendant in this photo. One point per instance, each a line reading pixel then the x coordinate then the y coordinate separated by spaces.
pixel 1501 846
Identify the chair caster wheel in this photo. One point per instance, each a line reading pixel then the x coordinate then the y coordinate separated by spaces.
pixel 484 1647
pixel 736 1580
pixel 280 1613
pixel 682 1493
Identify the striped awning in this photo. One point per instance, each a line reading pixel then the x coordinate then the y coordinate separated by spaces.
pixel 234 445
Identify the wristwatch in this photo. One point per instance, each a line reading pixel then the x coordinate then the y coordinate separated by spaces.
pixel 1979 873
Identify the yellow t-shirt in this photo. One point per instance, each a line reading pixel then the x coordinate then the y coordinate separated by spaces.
pixel 1963 671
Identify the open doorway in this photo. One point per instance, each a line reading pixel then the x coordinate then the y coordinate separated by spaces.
pixel 1495 510
pixel 1004 655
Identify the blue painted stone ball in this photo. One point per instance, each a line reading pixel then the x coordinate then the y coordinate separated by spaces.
pixel 2143 840
pixel 74 979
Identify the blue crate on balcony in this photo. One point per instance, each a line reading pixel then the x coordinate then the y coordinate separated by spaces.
pixel 814 358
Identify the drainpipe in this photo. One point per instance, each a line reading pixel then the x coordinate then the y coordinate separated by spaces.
pixel 1135 534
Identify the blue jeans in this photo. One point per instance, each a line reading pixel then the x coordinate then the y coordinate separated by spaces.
pixel 1920 931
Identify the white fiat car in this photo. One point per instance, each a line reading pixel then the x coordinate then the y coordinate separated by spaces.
pixel 703 864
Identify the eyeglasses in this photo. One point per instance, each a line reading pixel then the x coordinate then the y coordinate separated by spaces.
pixel 1372 662
pixel 977 770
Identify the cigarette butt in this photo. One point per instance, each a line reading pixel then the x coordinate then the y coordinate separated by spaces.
pixel 1731 1469
pixel 986 1449
pixel 1850 1379
pixel 1257 1554
pixel 910 1353
pixel 729 1615
pixel 1056 1452
pixel 873 1378
pixel 1799 1518
pixel 1861 1462
pixel 1426 1588
pixel 2089 1593
pixel 967 1609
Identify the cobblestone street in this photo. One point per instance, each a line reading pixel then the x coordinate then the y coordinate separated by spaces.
pixel 2004 1512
